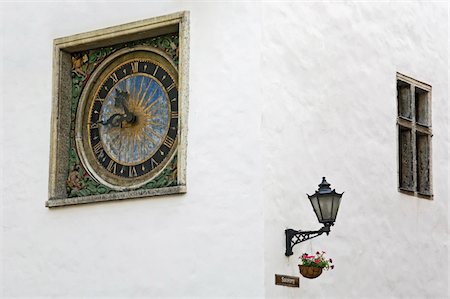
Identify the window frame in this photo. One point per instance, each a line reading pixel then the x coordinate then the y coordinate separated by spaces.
pixel 416 128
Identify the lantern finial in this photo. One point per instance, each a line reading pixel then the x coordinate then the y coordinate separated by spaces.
pixel 324 187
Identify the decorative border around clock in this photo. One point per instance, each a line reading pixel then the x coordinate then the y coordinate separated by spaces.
pixel 83 156
pixel 79 181
pixel 62 95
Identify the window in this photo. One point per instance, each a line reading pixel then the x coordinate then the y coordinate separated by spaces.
pixel 414 136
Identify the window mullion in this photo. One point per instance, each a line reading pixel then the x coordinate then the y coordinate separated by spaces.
pixel 413 137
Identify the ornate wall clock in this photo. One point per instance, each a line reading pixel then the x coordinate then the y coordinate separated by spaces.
pixel 127 119
pixel 119 119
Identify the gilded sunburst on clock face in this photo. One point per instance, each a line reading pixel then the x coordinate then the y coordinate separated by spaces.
pixel 127 122
pixel 135 117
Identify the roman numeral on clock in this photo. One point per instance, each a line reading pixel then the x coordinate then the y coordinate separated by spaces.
pixel 171 86
pixel 114 78
pixel 156 69
pixel 112 166
pixel 132 172
pixel 98 148
pixel 134 67
pixel 153 163
pixel 169 142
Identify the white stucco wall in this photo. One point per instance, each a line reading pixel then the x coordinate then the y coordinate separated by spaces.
pixel 272 85
pixel 330 110
pixel 205 243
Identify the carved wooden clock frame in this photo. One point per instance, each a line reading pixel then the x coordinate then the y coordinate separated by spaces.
pixel 119 112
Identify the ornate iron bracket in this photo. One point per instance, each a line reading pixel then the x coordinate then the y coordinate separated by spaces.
pixel 293 237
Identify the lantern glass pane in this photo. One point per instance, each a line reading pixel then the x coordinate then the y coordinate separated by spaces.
pixel 336 203
pixel 315 204
pixel 326 203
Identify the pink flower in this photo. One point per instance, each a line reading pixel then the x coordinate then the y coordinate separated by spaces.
pixel 317 252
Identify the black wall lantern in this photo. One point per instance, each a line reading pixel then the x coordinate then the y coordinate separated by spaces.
pixel 325 203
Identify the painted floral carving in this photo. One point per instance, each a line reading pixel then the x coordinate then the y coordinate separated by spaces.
pixel 79 182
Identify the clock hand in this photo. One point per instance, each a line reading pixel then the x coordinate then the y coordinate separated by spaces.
pixel 114 120
pixel 121 100
pixel 129 116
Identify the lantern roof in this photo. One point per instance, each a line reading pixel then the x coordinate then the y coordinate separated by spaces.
pixel 324 189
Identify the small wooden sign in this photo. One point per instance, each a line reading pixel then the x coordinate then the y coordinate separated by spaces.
pixel 287 281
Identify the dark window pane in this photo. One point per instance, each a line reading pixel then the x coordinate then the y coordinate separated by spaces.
pixel 421 106
pixel 405 159
pixel 404 99
pixel 423 164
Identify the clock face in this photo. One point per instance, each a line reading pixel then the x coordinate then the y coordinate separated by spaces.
pixel 127 119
